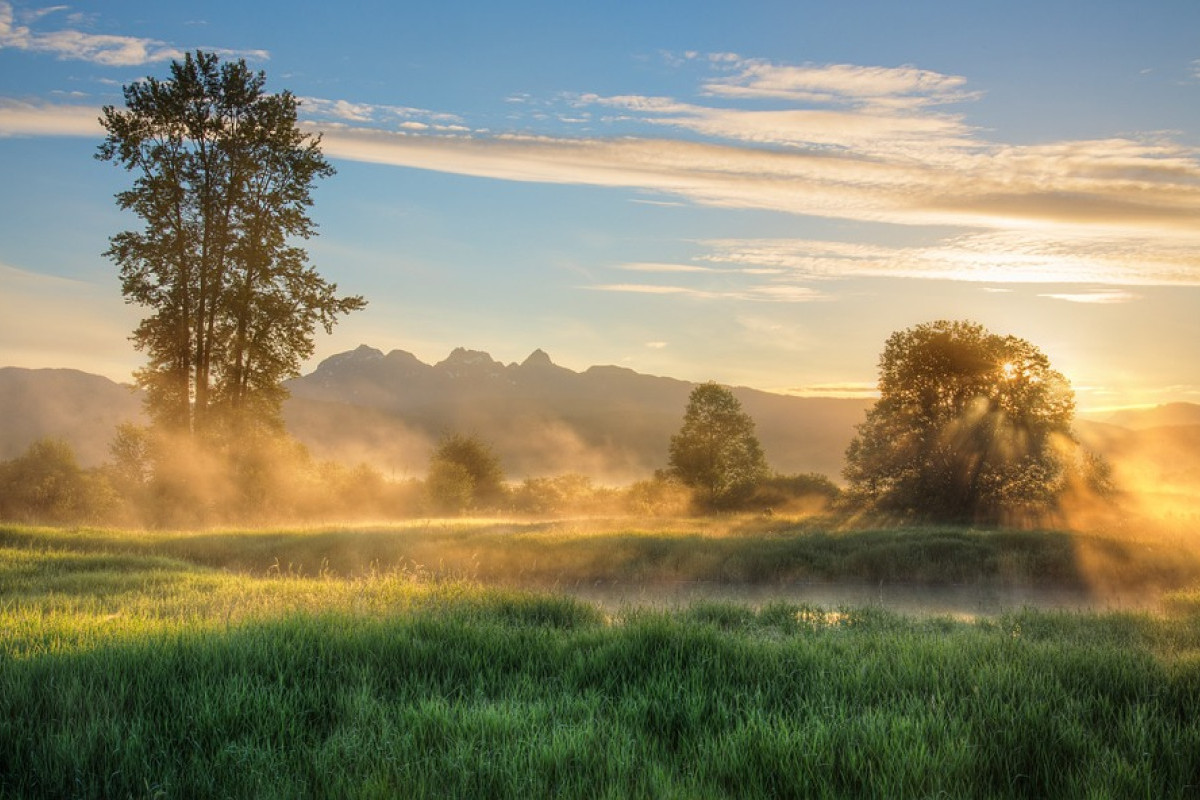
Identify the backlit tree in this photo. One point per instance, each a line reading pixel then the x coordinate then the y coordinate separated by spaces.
pixel 716 452
pixel 222 182
pixel 969 426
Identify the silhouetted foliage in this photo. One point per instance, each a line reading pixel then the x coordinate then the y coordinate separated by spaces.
pixel 465 474
pixel 222 183
pixel 969 426
pixel 564 494
pixel 46 485
pixel 716 452
pixel 807 492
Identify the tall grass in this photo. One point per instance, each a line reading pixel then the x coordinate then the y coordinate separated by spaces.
pixel 733 550
pixel 141 675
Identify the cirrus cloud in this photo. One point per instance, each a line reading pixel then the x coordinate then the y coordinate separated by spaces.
pixel 76 45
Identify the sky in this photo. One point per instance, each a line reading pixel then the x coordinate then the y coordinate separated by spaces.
pixel 757 193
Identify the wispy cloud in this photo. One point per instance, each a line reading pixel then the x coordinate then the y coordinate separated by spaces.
pixel 649 266
pixel 340 112
pixel 655 266
pixel 843 84
pixel 48 119
pixel 782 293
pixel 1060 255
pixel 17 32
pixel 1102 298
pixel 865 130
pixel 850 389
pixel 857 143
pixel 861 144
pixel 1124 184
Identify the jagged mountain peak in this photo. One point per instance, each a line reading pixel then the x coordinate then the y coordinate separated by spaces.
pixel 538 358
pixel 350 360
pixel 463 362
pixel 463 357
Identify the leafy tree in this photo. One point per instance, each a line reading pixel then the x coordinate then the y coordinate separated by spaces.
pixel 450 487
pixel 969 426
pixel 222 183
pixel 465 473
pixel 716 452
pixel 45 484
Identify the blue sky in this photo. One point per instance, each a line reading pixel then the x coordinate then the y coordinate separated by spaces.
pixel 756 193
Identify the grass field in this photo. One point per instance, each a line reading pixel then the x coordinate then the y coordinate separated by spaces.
pixel 349 663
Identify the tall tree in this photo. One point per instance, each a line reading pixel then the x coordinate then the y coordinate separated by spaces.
pixel 716 452
pixel 969 426
pixel 222 182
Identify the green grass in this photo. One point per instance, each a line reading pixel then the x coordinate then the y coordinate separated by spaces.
pixel 734 550
pixel 130 670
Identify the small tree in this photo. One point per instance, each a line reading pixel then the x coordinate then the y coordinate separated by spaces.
pixel 969 426
pixel 465 468
pixel 716 453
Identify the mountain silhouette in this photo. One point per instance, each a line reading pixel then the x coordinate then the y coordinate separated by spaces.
pixel 607 422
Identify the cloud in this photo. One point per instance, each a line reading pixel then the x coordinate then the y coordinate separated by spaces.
pixel 1103 298
pixel 77 45
pixel 46 119
pixel 1105 185
pixel 847 389
pixel 844 142
pixel 888 87
pixel 654 266
pixel 1060 256
pixel 319 109
pixel 647 266
pixel 762 293
pixel 863 130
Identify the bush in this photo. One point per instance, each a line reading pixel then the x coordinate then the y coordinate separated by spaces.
pixel 803 493
pixel 46 485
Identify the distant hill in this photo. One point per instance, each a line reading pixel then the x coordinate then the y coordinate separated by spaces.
pixel 608 422
pixel 82 408
pixel 1164 416
pixel 1160 463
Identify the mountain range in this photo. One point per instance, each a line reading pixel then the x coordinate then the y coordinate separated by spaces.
pixel 607 422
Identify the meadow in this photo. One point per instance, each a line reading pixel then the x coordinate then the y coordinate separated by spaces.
pixel 452 659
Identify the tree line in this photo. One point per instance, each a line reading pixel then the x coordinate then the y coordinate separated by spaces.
pixel 970 426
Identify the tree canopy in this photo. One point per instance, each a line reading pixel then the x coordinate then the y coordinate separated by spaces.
pixel 464 473
pixel 969 426
pixel 716 452
pixel 222 183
